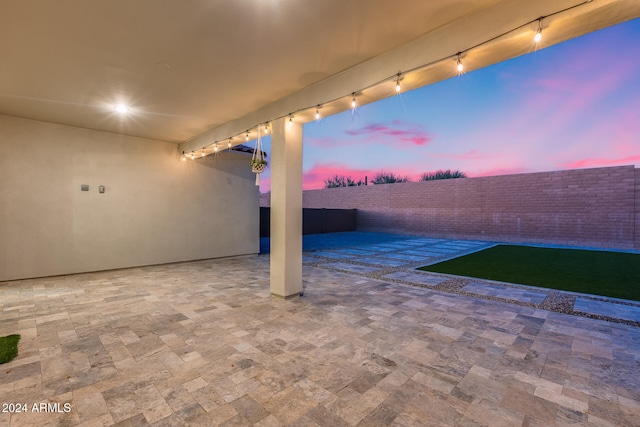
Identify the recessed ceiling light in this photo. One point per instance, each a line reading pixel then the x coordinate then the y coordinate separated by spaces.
pixel 121 108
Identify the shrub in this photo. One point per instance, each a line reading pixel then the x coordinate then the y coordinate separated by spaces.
pixel 388 178
pixel 442 174
pixel 342 181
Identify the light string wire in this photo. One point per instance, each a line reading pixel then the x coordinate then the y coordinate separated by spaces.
pixel 395 77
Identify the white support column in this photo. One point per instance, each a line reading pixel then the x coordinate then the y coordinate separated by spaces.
pixel 286 209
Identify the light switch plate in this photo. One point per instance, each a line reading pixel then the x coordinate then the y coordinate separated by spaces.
pixel 84 187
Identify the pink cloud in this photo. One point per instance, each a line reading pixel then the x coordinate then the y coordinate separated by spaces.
pixel 559 98
pixel 265 184
pixel 315 177
pixel 590 163
pixel 398 131
pixel 394 134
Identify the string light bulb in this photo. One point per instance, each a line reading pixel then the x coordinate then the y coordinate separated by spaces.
pixel 215 147
pixel 459 66
pixel 183 156
pixel 203 152
pixel 229 144
pixel 538 35
pixel 193 156
pixel 290 121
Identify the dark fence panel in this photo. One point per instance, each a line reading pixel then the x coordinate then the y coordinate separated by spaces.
pixel 265 222
pixel 337 220
pixel 316 221
pixel 312 221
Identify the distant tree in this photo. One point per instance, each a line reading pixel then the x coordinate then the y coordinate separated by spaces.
pixel 342 181
pixel 388 178
pixel 442 174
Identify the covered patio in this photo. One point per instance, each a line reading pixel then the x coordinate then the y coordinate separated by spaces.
pixel 132 273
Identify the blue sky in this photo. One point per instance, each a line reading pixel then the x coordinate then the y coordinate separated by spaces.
pixel 572 105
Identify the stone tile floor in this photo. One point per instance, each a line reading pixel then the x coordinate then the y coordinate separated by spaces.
pixel 204 344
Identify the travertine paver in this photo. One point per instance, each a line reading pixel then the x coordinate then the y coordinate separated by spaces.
pixel 415 277
pixel 523 294
pixel 383 262
pixel 425 253
pixel 394 246
pixel 204 344
pixel 360 252
pixel 403 256
pixel 333 254
pixel 306 258
pixel 608 309
pixel 351 267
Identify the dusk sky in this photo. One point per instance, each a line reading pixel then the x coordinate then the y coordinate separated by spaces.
pixel 572 105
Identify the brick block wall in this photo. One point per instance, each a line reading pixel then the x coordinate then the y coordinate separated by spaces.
pixel 589 207
pixel 637 204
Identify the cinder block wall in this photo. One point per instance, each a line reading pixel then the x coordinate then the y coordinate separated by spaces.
pixel 588 207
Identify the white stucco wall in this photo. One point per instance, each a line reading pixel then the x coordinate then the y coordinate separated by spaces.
pixel 156 208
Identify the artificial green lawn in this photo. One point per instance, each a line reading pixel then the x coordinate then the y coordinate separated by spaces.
pixel 613 274
pixel 9 348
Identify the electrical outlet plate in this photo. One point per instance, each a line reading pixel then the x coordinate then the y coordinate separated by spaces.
pixel 84 187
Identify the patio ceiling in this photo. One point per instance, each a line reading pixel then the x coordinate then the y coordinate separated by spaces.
pixel 197 71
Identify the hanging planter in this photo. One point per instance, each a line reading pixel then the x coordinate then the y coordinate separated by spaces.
pixel 258 166
pixel 258 162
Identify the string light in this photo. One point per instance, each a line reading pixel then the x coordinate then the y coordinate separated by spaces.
pixel 121 108
pixel 183 156
pixel 397 77
pixel 215 147
pixel 229 144
pixel 203 152
pixel 193 156
pixel 538 35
